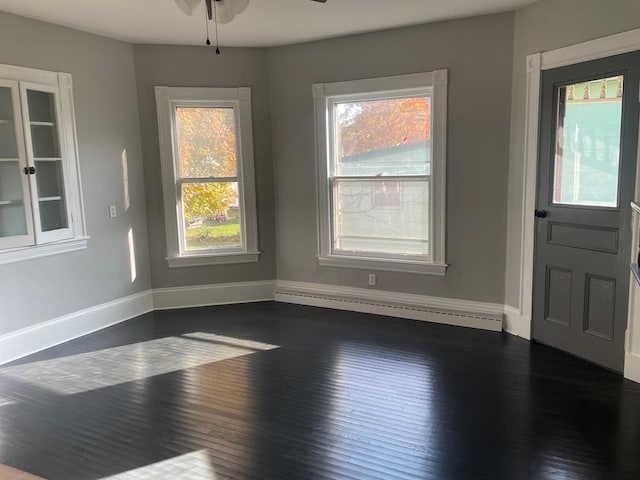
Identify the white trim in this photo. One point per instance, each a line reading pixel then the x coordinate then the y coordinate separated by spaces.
pixel 167 99
pixel 536 63
pixel 632 367
pixel 465 313
pixel 44 335
pixel 530 177
pixel 383 264
pixel 218 294
pixel 617 44
pixel 449 311
pixel 46 250
pixel 70 141
pixel 219 259
pixel 515 324
pixel 432 84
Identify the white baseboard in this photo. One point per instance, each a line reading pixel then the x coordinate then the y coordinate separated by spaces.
pixel 464 313
pixel 487 316
pixel 632 367
pixel 44 335
pixel 515 324
pixel 206 295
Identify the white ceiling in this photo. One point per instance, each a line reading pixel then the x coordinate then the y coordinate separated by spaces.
pixel 263 23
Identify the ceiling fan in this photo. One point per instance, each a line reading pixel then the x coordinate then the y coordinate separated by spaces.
pixel 222 11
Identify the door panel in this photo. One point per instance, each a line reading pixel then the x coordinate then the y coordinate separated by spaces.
pixel 588 151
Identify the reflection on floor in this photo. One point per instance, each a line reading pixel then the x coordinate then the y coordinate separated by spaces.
pixel 113 366
pixel 190 466
pixel 287 392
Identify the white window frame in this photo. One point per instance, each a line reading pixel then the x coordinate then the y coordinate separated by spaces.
pixel 74 237
pixel 326 95
pixel 167 100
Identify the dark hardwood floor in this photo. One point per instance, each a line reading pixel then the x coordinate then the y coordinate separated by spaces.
pixel 287 392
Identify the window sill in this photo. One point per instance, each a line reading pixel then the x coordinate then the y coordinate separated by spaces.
pixel 45 250
pixel 220 259
pixel 389 265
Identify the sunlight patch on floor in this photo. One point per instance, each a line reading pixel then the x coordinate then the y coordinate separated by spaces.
pixel 191 466
pixel 112 366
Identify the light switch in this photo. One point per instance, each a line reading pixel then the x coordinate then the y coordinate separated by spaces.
pixel 113 213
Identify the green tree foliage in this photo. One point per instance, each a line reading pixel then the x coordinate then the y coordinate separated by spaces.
pixel 207 148
pixel 378 124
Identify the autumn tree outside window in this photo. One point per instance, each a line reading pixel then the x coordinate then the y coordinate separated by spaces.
pixel 381 158
pixel 208 181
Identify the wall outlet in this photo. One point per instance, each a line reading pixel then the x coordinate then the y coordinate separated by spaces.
pixel 113 212
pixel 372 279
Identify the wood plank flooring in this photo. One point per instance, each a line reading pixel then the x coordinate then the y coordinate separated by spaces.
pixel 276 391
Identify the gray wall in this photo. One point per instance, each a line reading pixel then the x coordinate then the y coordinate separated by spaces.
pixel 199 67
pixel 547 25
pixel 107 116
pixel 485 57
pixel 478 54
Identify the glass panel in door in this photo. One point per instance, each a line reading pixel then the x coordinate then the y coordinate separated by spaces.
pixel 12 208
pixel 8 141
pixel 51 195
pixel 45 147
pixel 13 215
pixel 588 138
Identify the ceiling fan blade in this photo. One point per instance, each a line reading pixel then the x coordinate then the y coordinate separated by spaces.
pixel 187 6
pixel 319 1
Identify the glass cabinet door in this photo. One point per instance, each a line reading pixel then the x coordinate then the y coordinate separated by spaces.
pixel 16 228
pixel 45 156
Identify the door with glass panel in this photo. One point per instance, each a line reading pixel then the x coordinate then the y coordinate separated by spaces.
pixel 16 225
pixel 587 162
pixel 41 114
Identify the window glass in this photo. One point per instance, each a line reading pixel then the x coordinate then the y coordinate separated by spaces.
pixel 207 142
pixel 588 135
pixel 211 215
pixel 376 139
pixel 383 137
pixel 364 224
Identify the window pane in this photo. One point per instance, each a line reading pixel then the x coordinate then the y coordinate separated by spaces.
pixel 49 178
pixel 41 106
pixel 44 132
pixel 588 136
pixel 383 137
pixel 12 213
pixel 206 142
pixel 8 143
pixel 53 215
pixel 45 141
pixel 211 215
pixel 381 217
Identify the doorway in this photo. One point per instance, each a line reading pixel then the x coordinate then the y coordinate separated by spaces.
pixel 586 176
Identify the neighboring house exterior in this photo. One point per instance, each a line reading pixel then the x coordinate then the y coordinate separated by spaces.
pixel 381 215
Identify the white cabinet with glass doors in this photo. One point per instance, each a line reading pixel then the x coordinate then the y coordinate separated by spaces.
pixel 39 182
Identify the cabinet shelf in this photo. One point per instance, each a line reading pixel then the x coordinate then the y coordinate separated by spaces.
pixel 49 199
pixel 5 121
pixel 10 202
pixel 47 159
pixel 43 124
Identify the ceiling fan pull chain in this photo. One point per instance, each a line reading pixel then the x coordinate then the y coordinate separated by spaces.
pixel 215 19
pixel 206 21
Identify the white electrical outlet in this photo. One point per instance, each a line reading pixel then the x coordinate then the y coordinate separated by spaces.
pixel 372 279
pixel 113 212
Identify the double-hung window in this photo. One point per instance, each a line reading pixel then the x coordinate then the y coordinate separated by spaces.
pixel 381 160
pixel 40 195
pixel 206 151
